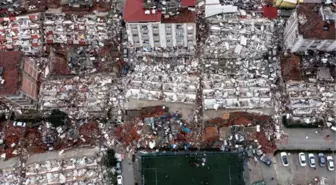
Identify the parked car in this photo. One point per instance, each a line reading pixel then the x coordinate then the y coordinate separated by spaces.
pixel 19 124
pixel 322 159
pixel 311 160
pixel 330 162
pixel 284 158
pixel 125 53
pixel 118 168
pixel 302 159
pixel 119 180
pixel 265 160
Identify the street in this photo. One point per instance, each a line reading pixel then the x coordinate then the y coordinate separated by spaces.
pixel 296 174
pixel 127 171
pixel 307 139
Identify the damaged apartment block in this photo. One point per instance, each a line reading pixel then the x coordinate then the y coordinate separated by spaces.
pixel 311 27
pixel 241 57
pixel 309 78
pixel 154 25
pixel 22 33
pixel 19 76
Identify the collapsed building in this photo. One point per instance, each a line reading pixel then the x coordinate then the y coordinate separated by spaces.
pixel 19 80
pixel 241 57
pixel 161 24
pixel 168 82
pixel 310 87
pixel 22 33
pixel 68 171
pixel 69 28
pixel 81 97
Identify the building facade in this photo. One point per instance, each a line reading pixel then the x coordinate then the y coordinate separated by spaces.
pixel 19 80
pixel 309 28
pixel 152 28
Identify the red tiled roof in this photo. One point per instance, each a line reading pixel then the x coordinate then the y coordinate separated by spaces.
pixel 189 3
pixel 134 12
pixel 270 12
pixel 185 16
pixel 313 28
pixel 10 61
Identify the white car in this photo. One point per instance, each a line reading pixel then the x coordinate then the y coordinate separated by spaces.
pixel 302 159
pixel 284 158
pixel 312 162
pixel 19 124
pixel 330 162
pixel 119 180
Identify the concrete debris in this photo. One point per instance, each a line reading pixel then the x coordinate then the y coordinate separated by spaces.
pixel 156 128
pixel 22 33
pixel 81 97
pixel 166 81
pixel 85 170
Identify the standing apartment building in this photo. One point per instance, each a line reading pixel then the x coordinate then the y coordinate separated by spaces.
pixel 160 24
pixel 311 27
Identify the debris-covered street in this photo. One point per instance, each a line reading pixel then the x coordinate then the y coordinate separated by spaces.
pixel 88 87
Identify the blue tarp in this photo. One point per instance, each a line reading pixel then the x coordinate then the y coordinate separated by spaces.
pixel 186 130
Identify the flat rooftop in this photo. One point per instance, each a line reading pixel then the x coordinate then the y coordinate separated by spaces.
pixel 134 11
pixel 10 61
pixel 186 168
pixel 312 24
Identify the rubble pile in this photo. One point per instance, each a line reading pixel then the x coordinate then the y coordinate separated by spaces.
pixel 21 33
pixel 165 81
pixel 309 101
pixel 80 97
pixel 246 85
pixel 11 135
pixel 233 37
pixel 17 7
pixel 75 29
pixel 242 66
pixel 70 171
pixel 9 176
pixel 156 128
pixel 240 131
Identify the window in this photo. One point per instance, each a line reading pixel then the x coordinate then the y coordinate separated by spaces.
pixel 155 27
pixel 145 34
pixel 179 26
pixel 134 27
pixel 169 34
pixel 156 34
pixel 168 40
pixel 144 27
pixel 135 35
pixel 168 27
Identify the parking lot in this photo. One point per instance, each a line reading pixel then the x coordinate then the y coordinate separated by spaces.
pixel 294 173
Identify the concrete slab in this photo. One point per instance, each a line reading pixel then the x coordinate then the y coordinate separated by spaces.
pixel 9 164
pixel 54 155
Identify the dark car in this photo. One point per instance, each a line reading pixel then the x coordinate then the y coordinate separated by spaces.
pixel 322 159
pixel 265 160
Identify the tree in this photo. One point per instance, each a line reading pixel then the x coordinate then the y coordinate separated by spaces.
pixel 57 118
pixel 108 159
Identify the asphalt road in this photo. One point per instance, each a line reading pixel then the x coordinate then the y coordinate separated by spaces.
pixel 127 171
pixel 296 174
pixel 307 139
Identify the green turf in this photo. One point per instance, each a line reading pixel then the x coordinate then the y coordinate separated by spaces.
pixel 181 169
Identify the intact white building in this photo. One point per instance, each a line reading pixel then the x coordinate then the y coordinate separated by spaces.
pixel 311 27
pixel 152 28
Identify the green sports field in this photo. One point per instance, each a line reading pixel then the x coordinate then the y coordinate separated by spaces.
pixel 187 169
